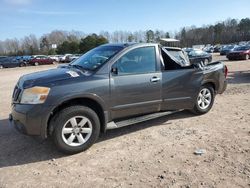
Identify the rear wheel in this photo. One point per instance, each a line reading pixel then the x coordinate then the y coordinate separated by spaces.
pixel 204 100
pixel 76 128
pixel 246 57
pixel 1 66
pixel 36 63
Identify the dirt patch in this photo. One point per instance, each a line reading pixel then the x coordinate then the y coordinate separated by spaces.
pixel 157 153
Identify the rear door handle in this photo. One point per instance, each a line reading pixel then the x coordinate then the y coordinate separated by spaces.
pixel 155 79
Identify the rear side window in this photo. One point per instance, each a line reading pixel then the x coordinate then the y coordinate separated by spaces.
pixel 139 60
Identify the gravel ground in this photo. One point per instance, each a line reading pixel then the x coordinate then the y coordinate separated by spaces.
pixel 157 153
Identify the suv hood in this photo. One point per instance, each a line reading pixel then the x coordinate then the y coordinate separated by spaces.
pixel 49 76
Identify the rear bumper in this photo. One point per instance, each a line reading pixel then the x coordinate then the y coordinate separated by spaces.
pixel 223 87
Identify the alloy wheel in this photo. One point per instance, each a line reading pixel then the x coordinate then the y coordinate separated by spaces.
pixel 77 130
pixel 204 98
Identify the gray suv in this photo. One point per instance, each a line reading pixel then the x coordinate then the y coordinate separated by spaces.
pixel 111 86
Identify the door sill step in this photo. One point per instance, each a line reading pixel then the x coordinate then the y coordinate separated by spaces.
pixel 139 119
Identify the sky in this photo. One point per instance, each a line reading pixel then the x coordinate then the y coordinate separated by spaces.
pixel 23 17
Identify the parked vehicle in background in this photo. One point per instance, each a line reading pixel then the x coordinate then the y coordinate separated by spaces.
pixel 10 62
pixel 241 52
pixel 55 57
pixel 217 48
pixel 209 49
pixel 73 57
pixel 111 86
pixel 226 49
pixel 41 60
pixel 197 56
pixel 63 58
pixel 25 58
pixel 2 57
pixel 188 50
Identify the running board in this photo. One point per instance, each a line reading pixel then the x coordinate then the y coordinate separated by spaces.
pixel 131 121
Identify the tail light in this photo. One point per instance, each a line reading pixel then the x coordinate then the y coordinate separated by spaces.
pixel 225 70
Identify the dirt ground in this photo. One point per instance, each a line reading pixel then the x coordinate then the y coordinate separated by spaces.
pixel 157 153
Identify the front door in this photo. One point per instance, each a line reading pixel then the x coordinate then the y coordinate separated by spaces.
pixel 135 83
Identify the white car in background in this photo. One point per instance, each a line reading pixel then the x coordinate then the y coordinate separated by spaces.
pixel 55 57
pixel 63 58
pixel 72 57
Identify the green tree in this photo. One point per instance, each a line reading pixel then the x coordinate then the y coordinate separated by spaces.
pixel 68 47
pixel 90 42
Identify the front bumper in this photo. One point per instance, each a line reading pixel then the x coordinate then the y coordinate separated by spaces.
pixel 30 119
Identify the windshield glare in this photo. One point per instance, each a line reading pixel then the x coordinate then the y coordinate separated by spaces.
pixel 95 58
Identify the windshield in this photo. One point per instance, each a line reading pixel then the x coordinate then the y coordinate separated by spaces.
pixel 95 58
pixel 228 47
pixel 242 48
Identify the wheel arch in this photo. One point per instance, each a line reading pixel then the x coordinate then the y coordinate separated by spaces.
pixel 85 101
pixel 211 83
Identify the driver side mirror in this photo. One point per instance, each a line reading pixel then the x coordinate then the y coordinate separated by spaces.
pixel 114 70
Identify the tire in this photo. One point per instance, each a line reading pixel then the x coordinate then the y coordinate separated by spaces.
pixel 22 65
pixel 1 66
pixel 202 105
pixel 72 136
pixel 36 63
pixel 246 57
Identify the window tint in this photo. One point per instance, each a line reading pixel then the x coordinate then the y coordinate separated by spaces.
pixel 140 60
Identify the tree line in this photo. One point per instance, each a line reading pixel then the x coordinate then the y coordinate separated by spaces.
pixel 225 32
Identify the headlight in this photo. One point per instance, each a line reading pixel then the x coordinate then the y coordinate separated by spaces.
pixel 35 95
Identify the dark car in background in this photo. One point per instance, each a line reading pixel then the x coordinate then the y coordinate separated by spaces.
pixel 197 56
pixel 10 62
pixel 41 60
pixel 241 52
pixel 26 58
pixel 226 49
pixel 217 48
pixel 188 50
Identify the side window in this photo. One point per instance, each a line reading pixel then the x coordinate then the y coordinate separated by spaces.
pixel 139 60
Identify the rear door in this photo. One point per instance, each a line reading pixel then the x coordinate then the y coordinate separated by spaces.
pixel 135 82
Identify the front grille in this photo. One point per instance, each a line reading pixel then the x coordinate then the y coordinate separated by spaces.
pixel 16 94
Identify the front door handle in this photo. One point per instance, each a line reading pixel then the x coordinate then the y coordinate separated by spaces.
pixel 155 79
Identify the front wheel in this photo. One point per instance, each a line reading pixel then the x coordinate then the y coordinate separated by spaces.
pixel 76 128
pixel 204 100
pixel 246 57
